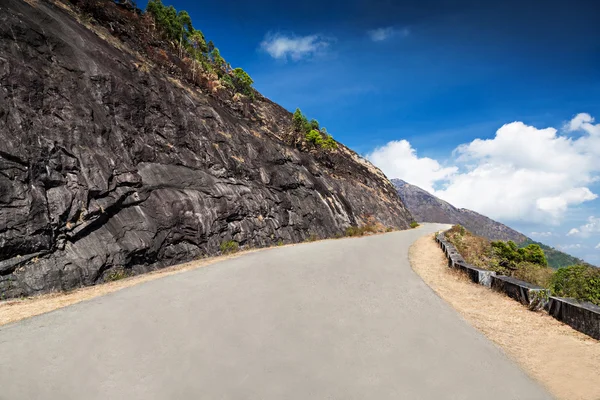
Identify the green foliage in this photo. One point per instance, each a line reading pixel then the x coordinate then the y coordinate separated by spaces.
pixel 581 282
pixel 555 258
pixel 301 124
pixel 176 26
pixel 197 44
pixel 227 81
pixel 116 275
pixel 414 224
pixel 510 255
pixel 314 137
pixel 242 82
pixel 314 124
pixel 229 246
pixel 328 142
pixel 219 61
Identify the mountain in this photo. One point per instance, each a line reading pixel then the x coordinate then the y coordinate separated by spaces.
pixel 425 207
pixel 125 150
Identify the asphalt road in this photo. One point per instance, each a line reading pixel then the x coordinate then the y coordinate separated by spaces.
pixel 338 319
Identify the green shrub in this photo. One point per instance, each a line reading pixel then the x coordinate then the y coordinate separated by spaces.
pixel 414 224
pixel 314 137
pixel 230 246
pixel 242 81
pixel 116 275
pixel 227 81
pixel 328 143
pixel 510 255
pixel 581 282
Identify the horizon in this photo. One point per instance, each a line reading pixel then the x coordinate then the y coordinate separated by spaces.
pixel 496 98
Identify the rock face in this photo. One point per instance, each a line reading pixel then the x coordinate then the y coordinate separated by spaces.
pixel 105 165
pixel 425 207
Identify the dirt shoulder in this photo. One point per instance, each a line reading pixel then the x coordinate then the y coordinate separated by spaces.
pixel 18 309
pixel 565 361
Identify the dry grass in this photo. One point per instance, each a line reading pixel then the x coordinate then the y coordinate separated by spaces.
pixel 16 310
pixel 565 361
pixel 475 250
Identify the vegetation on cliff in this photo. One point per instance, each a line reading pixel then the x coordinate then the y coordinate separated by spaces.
pixel 581 282
pixel 313 134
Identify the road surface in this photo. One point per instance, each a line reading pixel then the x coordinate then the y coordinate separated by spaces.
pixel 337 319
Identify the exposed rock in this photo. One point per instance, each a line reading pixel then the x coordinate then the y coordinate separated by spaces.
pixel 105 165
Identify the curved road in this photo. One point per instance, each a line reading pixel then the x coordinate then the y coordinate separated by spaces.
pixel 338 319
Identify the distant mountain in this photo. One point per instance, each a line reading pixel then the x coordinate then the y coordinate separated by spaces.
pixel 425 207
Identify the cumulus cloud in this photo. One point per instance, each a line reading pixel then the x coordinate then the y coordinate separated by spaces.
pixel 523 173
pixel 592 226
pixel 540 234
pixel 381 34
pixel 399 160
pixel 281 46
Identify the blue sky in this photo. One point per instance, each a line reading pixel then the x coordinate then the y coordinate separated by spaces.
pixel 440 74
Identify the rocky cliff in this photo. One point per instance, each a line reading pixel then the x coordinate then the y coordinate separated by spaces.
pixel 110 161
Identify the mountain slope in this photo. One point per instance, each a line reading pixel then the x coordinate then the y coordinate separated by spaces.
pixel 112 158
pixel 425 207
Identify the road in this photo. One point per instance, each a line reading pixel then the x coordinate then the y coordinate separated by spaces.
pixel 336 319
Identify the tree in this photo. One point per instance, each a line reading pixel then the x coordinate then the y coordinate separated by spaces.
pixel 243 82
pixel 220 61
pixel 211 46
pixel 298 120
pixel 197 43
pixel 314 124
pixel 314 137
pixel 328 142
pixel 533 253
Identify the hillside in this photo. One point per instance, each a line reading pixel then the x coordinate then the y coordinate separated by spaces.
pixel 425 207
pixel 123 150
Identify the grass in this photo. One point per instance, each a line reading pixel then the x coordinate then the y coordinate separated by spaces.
pixel 538 342
pixel 580 282
pixel 229 247
pixel 116 275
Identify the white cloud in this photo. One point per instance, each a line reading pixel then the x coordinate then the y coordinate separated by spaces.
pixel 381 34
pixel 570 246
pixel 597 246
pixel 399 160
pixel 592 226
pixel 541 234
pixel 295 47
pixel 522 174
